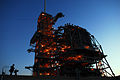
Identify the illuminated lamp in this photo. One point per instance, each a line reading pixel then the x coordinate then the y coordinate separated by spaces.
pixel 46 50
pixel 47 73
pixel 40 73
pixel 53 35
pixel 86 47
pixel 65 47
pixel 54 48
pixel 52 65
pixel 63 50
pixel 79 56
pixel 68 46
pixel 92 69
pixel 43 14
pixel 48 53
pixel 57 64
pixel 42 45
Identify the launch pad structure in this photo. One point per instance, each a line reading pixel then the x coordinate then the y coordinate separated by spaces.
pixel 69 50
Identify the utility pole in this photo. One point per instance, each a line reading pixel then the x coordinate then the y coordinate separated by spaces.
pixel 45 6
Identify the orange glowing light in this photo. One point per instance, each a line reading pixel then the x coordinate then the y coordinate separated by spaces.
pixel 43 14
pixel 46 50
pixel 54 42
pixel 47 73
pixel 52 65
pixel 46 65
pixel 69 58
pixel 53 35
pixel 42 45
pixel 63 50
pixel 75 58
pixel 65 46
pixel 48 53
pixel 79 56
pixel 39 31
pixel 40 73
pixel 54 48
pixel 57 64
pixel 87 47
pixel 69 47
pixel 92 69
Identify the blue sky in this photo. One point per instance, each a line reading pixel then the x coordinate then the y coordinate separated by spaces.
pixel 18 22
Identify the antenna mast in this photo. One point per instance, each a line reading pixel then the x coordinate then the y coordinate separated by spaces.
pixel 45 6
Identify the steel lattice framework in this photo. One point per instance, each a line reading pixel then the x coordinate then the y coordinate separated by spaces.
pixel 69 50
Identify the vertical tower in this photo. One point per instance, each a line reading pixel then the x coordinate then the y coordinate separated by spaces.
pixel 43 41
pixel 45 46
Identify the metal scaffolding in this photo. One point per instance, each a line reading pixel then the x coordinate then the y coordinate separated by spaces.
pixel 69 50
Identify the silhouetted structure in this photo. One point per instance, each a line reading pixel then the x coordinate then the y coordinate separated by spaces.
pixel 12 69
pixel 16 71
pixel 69 50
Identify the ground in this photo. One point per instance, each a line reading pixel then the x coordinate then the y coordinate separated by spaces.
pixel 23 77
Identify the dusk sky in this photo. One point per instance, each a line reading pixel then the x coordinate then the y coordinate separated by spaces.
pixel 18 23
